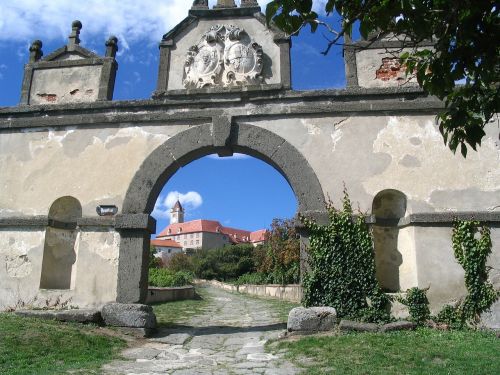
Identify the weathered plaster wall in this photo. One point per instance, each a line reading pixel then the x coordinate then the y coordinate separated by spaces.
pixel 65 85
pixel 373 153
pixel 20 264
pixel 192 35
pixel 94 165
pixel 94 274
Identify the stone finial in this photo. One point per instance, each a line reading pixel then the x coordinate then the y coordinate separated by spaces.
pixel 200 4
pixel 36 52
pixel 249 3
pixel 74 37
pixel 111 46
pixel 225 4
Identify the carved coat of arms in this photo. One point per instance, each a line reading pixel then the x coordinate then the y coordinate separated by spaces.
pixel 225 56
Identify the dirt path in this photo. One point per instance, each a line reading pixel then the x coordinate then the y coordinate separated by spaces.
pixel 228 337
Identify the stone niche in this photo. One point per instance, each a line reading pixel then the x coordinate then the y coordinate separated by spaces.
pixel 223 48
pixel 375 63
pixel 71 74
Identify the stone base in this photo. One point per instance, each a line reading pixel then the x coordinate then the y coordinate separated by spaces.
pixel 77 315
pixel 129 315
pixel 311 319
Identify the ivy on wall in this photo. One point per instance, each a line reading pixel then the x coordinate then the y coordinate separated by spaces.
pixel 342 266
pixel 472 246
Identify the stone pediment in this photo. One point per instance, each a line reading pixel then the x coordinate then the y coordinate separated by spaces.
pixel 75 53
pixel 225 56
pixel 228 47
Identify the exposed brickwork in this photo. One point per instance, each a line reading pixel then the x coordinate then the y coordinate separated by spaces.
pixel 48 97
pixel 391 69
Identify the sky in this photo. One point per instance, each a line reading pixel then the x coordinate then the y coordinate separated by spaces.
pixel 240 191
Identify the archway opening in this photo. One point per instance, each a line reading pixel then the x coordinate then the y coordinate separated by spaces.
pixel 223 137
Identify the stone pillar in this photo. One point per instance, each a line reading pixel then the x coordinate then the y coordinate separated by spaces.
pixel 111 46
pixel 249 3
pixel 164 66
pixel 135 232
pixel 225 4
pixel 200 4
pixel 74 37
pixel 36 52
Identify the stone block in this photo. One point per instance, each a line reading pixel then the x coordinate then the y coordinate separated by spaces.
pixel 352 326
pixel 77 315
pixel 129 315
pixel 401 325
pixel 311 319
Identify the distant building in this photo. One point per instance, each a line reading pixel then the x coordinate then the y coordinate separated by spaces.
pixel 205 234
pixel 165 248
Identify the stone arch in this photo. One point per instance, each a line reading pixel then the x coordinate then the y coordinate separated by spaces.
pixel 389 206
pixel 222 138
pixel 59 255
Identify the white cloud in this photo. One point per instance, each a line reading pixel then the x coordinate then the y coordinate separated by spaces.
pixel 190 201
pixel 129 20
pixel 235 156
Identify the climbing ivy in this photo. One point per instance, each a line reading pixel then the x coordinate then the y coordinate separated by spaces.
pixel 472 246
pixel 418 305
pixel 342 266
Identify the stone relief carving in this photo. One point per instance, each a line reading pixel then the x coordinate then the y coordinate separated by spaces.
pixel 225 56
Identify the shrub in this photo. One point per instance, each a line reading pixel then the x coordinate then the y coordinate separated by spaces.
pixel 418 305
pixel 164 278
pixel 342 266
pixel 257 278
pixel 179 262
pixel 451 316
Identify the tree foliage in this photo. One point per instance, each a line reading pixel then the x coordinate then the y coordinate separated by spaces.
pixel 466 50
pixel 279 257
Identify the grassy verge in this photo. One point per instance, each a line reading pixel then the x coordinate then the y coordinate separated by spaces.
pixel 33 346
pixel 424 351
pixel 171 313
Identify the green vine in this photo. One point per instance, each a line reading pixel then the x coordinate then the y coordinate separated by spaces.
pixel 418 305
pixel 342 266
pixel 472 246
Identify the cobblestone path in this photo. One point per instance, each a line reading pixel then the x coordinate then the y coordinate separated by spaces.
pixel 227 338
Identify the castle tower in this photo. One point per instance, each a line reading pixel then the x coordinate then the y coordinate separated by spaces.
pixel 177 213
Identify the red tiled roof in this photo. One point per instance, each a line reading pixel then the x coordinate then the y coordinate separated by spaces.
pixel 258 235
pixel 212 226
pixel 165 243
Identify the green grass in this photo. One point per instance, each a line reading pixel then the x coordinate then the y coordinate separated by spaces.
pixel 33 346
pixel 424 351
pixel 176 312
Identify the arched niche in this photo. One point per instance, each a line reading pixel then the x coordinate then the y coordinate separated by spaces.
pixel 389 206
pixel 180 150
pixel 59 254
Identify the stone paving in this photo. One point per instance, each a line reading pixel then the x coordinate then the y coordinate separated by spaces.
pixel 227 338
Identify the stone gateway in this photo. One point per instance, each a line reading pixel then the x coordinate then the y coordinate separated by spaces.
pixel 68 152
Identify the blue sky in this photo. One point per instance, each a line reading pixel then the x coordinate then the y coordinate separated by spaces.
pixel 241 191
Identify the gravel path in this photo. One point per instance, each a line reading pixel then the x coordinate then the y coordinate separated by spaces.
pixel 227 338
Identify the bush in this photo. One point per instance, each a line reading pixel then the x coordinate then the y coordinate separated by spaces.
pixel 179 262
pixel 226 263
pixel 257 278
pixel 164 278
pixel 451 316
pixel 418 305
